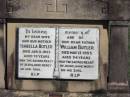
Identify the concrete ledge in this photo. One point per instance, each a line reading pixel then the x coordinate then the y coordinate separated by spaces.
pixel 119 23
pixel 13 93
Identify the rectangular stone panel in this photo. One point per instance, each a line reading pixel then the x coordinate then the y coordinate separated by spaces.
pixel 99 82
pixel 58 9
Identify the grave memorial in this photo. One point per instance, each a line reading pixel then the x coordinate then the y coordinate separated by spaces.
pixel 60 53
pixel 64 48
pixel 74 54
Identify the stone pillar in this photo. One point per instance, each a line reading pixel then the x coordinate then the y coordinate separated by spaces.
pixel 2 57
pixel 118 68
pixel 118 64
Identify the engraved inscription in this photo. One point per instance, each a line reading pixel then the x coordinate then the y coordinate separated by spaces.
pixel 36 52
pixel 56 6
pixel 58 53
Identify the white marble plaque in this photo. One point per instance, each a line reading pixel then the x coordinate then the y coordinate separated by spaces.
pixel 36 52
pixel 78 53
pixel 62 53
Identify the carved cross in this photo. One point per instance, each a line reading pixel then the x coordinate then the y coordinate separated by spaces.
pixel 56 6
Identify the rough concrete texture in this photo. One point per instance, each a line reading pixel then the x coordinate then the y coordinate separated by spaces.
pixel 2 8
pixel 9 93
pixel 63 9
pixel 119 39
pixel 118 56
pixel 58 9
pixel 119 10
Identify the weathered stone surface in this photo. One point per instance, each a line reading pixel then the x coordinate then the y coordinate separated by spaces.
pixel 9 93
pixel 118 69
pixel 66 9
pixel 119 23
pixel 2 8
pixel 58 9
pixel 56 85
pixel 2 63
pixel 119 10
